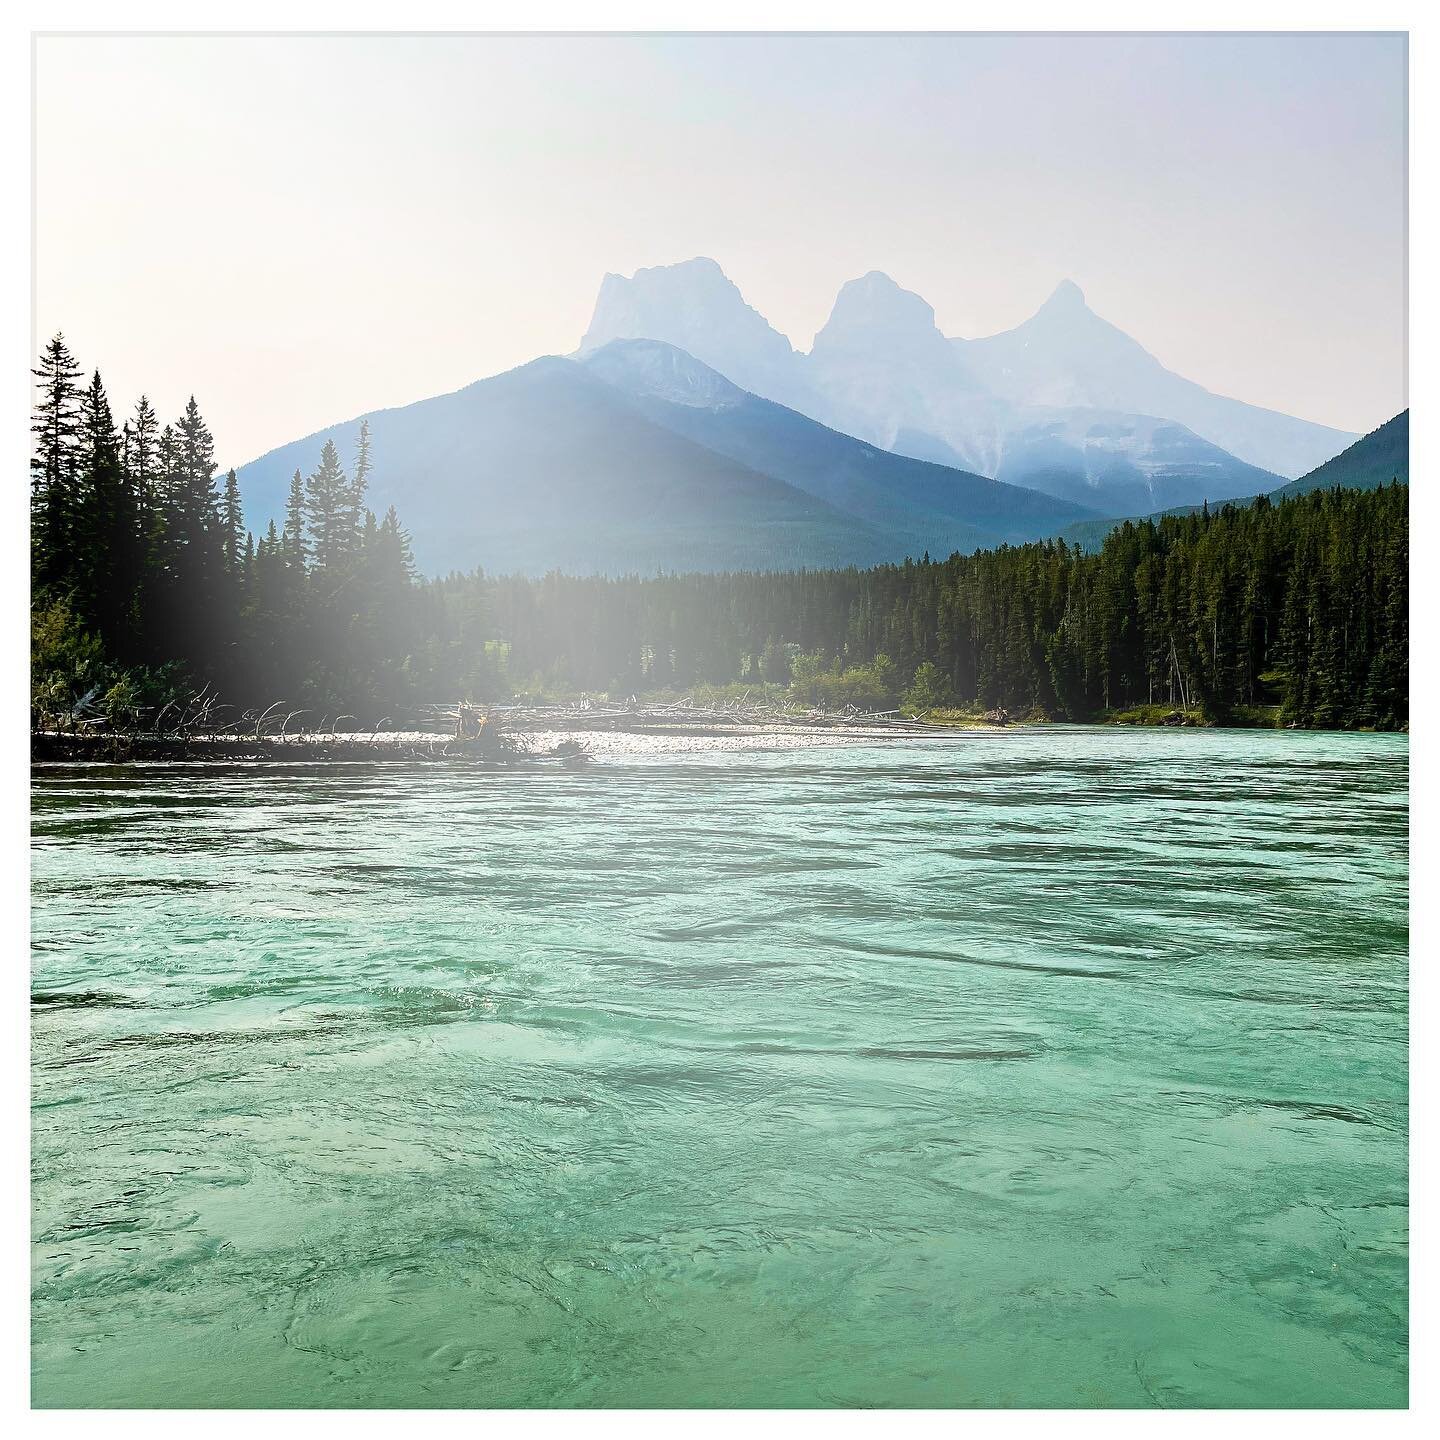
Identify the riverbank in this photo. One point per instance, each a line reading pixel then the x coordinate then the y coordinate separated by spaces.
pixel 576 742
pixel 1172 717
pixel 573 745
pixel 1243 717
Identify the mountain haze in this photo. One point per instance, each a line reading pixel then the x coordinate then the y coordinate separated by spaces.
pixel 1106 459
pixel 881 369
pixel 1066 356
pixel 922 503
pixel 687 433
pixel 547 467
pixel 641 459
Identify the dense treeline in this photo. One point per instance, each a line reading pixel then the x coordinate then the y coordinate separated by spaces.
pixel 1303 604
pixel 146 579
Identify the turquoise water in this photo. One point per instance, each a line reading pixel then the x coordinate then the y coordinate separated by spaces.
pixel 1057 1067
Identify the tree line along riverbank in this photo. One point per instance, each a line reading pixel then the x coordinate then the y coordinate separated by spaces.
pixel 147 585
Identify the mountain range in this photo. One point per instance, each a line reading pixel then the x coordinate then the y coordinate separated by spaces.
pixel 639 458
pixel 881 369
pixel 685 432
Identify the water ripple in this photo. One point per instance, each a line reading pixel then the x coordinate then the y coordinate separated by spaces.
pixel 841 1076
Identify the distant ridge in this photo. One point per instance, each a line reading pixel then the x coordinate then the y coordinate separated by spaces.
pixel 1379 458
pixel 1372 461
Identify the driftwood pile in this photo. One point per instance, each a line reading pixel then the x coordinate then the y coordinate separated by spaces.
pixel 198 729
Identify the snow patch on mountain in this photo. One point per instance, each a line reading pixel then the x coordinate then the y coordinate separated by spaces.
pixel 663 371
pixel 881 369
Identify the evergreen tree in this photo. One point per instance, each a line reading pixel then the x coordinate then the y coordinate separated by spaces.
pixel 54 498
pixel 195 623
pixel 142 454
pixel 293 545
pixel 196 457
pixel 167 469
pixel 327 509
pixel 107 566
pixel 359 484
pixel 231 524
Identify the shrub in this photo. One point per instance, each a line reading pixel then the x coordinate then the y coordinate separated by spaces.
pixel 929 690
pixel 867 687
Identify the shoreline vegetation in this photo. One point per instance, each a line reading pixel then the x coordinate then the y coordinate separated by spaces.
pixel 148 589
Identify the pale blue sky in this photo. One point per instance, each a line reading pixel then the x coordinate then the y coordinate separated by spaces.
pixel 300 229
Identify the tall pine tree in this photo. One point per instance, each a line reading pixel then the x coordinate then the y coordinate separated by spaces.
pixel 54 480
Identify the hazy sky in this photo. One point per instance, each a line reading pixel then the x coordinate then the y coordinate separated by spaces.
pixel 302 229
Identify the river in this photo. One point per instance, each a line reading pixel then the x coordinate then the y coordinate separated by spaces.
pixel 1061 1067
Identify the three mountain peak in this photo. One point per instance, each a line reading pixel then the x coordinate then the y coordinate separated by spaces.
pixel 882 370
pixel 875 297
